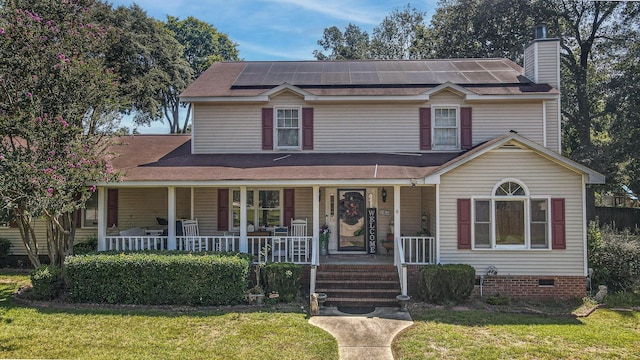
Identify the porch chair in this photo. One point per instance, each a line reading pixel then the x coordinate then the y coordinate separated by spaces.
pixel 299 245
pixel 280 243
pixel 191 235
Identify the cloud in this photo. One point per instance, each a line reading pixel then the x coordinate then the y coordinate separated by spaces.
pixel 337 9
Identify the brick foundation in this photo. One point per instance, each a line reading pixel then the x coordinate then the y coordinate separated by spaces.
pixel 533 287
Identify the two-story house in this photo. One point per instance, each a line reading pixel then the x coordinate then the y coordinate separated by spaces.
pixel 407 162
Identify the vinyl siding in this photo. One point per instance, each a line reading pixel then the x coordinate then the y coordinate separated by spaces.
pixel 548 58
pixel 495 119
pixel 205 207
pixel 543 178
pixel 17 246
pixel 553 136
pixel 530 62
pixel 304 207
pixel 411 206
pixel 429 206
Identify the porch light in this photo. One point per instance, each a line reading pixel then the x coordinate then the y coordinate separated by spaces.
pixel 384 195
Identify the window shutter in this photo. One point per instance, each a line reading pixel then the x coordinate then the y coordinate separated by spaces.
pixel 466 140
pixel 289 206
pixel 112 207
pixel 223 209
pixel 425 128
pixel 267 129
pixel 464 223
pixel 307 128
pixel 558 234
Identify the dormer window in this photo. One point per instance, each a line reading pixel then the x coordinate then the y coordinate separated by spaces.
pixel 287 128
pixel 445 128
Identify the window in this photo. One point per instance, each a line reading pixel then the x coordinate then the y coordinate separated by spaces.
pixel 445 129
pixel 511 219
pixel 90 212
pixel 288 128
pixel 267 214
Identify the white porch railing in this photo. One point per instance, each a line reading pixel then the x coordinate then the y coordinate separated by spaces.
pixel 296 249
pixel 413 250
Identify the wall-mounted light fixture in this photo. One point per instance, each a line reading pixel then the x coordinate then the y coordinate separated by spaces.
pixel 384 195
pixel 332 204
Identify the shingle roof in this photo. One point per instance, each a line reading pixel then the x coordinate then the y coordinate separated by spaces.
pixel 367 77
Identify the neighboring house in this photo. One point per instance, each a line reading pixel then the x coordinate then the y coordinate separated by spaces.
pixel 453 161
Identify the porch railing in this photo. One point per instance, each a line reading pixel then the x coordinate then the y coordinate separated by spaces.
pixel 296 249
pixel 413 250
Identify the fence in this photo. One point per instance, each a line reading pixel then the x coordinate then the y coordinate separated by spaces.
pixel 618 218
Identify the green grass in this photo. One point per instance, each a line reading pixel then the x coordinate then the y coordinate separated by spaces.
pixel 27 332
pixel 480 334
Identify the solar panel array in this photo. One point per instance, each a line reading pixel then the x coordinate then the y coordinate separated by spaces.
pixel 395 72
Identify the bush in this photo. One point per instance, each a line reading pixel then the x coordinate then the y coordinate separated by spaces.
pixel 282 278
pixel 447 284
pixel 47 283
pixel 614 257
pixel 5 251
pixel 157 279
pixel 90 245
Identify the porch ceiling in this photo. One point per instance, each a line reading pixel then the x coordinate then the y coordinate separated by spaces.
pixel 168 158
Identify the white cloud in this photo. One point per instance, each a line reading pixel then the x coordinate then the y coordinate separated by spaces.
pixel 337 9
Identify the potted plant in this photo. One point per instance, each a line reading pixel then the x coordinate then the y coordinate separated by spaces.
pixel 324 239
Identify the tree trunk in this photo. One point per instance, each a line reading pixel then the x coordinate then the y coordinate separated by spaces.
pixel 28 235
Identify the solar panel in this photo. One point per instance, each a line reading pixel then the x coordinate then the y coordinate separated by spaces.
pixel 377 72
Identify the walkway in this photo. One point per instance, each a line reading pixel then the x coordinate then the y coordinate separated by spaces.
pixel 366 336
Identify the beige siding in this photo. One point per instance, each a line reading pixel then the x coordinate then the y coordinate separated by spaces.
pixel 17 246
pixel 543 178
pixel 495 119
pixel 304 207
pixel 227 129
pixel 530 62
pixel 445 97
pixel 429 206
pixel 205 204
pixel 140 207
pixel 553 129
pixel 183 203
pixel 411 206
pixel 548 58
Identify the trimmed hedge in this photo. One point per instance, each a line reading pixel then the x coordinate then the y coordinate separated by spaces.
pixel 447 284
pixel 157 279
pixel 282 278
pixel 47 283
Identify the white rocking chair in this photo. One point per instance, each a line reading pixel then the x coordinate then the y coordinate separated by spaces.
pixel 299 244
pixel 191 235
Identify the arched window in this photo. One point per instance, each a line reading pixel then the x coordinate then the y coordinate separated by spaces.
pixel 511 218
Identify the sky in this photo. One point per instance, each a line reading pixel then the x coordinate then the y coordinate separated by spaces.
pixel 275 29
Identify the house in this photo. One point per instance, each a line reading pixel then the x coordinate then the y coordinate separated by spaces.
pixel 451 161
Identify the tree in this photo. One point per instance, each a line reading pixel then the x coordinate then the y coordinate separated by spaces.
pixel 56 94
pixel 203 45
pixel 150 63
pixel 396 36
pixel 353 44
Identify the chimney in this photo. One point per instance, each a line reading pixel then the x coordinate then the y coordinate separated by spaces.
pixel 542 58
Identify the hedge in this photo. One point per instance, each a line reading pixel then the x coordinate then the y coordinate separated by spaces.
pixel 157 279
pixel 282 278
pixel 5 251
pixel 447 284
pixel 47 283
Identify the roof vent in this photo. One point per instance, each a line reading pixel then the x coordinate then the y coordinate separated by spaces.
pixel 541 31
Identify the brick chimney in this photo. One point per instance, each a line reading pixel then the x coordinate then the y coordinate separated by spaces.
pixel 542 59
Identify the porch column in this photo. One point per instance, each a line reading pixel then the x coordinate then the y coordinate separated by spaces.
pixel 244 248
pixel 316 220
pixel 437 239
pixel 171 227
pixel 102 219
pixel 193 212
pixel 396 220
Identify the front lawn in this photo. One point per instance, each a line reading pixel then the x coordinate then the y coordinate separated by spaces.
pixel 481 334
pixel 27 332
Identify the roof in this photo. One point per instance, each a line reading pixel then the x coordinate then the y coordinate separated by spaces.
pixel 363 78
pixel 168 158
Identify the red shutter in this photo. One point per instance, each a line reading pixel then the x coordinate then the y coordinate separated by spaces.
pixel 289 206
pixel 466 141
pixel 267 129
pixel 425 128
pixel 558 234
pixel 307 128
pixel 223 209
pixel 464 224
pixel 112 207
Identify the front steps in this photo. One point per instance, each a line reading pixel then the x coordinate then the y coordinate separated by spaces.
pixel 358 285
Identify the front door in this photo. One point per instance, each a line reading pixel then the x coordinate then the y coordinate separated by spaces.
pixel 351 220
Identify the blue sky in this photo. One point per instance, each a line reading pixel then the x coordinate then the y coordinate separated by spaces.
pixel 275 29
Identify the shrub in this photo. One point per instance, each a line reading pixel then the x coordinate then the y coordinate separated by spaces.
pixel 498 300
pixel 47 283
pixel 283 278
pixel 447 284
pixel 614 257
pixel 88 246
pixel 5 251
pixel 157 279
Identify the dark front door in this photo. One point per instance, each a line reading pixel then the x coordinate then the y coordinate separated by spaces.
pixel 352 220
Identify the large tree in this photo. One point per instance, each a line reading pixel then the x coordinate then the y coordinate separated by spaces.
pixel 353 44
pixel 56 93
pixel 202 45
pixel 397 34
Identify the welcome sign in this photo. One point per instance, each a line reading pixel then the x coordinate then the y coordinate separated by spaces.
pixel 372 230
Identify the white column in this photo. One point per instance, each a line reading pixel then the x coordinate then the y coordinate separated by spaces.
pixel 316 218
pixel 396 220
pixel 171 227
pixel 102 219
pixel 437 223
pixel 244 246
pixel 193 212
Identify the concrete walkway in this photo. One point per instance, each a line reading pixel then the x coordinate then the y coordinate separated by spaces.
pixel 366 336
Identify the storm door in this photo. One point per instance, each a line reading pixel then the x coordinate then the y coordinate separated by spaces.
pixel 351 220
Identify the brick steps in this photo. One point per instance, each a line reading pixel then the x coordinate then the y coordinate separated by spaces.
pixel 358 285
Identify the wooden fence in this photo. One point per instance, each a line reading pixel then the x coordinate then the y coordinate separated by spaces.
pixel 618 218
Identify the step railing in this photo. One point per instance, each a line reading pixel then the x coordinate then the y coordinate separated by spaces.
pixel 413 250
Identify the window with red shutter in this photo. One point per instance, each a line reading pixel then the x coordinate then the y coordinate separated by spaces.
pixel 464 223
pixel 223 209
pixel 267 129
pixel 425 128
pixel 289 206
pixel 307 128
pixel 466 140
pixel 558 231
